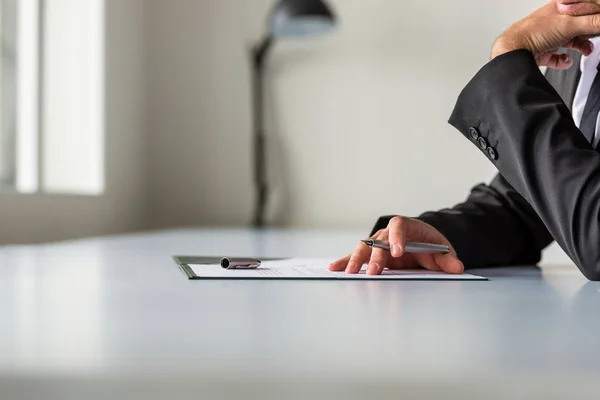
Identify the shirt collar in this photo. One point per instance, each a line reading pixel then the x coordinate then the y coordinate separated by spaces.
pixel 593 59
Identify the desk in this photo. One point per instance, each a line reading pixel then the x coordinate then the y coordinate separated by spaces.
pixel 115 318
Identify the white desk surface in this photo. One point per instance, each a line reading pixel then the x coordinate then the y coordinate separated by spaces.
pixel 114 317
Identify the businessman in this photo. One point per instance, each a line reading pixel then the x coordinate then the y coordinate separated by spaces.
pixel 541 133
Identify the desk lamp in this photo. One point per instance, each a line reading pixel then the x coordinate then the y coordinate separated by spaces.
pixel 288 19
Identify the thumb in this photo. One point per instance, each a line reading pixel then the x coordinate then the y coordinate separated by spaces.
pixel 449 263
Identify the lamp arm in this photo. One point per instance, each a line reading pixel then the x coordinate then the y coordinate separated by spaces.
pixel 259 54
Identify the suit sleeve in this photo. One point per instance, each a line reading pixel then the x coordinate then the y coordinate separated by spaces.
pixel 494 226
pixel 538 149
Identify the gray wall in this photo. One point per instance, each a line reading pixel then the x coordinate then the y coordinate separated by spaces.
pixel 358 119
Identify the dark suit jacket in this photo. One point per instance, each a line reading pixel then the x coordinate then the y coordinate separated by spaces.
pixel 548 185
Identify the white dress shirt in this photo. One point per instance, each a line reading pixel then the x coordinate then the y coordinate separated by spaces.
pixel 589 69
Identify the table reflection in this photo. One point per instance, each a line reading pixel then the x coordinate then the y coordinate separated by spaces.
pixel 55 303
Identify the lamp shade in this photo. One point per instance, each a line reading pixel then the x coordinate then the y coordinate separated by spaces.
pixel 296 18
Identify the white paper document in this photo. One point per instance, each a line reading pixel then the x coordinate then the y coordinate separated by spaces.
pixel 312 268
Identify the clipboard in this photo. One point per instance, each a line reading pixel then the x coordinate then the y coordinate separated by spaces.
pixel 302 269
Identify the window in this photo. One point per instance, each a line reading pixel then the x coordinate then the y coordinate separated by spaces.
pixel 8 66
pixel 52 86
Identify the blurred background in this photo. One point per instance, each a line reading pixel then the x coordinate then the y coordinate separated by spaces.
pixel 128 115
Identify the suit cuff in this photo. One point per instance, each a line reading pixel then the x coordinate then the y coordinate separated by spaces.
pixel 486 87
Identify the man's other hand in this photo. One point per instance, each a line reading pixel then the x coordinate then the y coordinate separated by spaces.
pixel 399 231
pixel 547 30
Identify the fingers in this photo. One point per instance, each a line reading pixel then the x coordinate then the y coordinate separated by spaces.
pixel 581 44
pixel 359 258
pixel 427 261
pixel 441 262
pixel 558 61
pixel 587 25
pixel 397 236
pixel 379 259
pixel 340 265
pixel 449 263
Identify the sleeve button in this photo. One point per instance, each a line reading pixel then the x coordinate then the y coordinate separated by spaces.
pixel 474 133
pixel 492 153
pixel 483 144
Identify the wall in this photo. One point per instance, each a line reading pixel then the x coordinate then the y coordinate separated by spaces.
pixel 358 119
pixel 36 218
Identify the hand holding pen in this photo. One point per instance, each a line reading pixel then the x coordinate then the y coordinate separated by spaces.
pixel 404 243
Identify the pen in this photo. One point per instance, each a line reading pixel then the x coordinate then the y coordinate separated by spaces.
pixel 410 247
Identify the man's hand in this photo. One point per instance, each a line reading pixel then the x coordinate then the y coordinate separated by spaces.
pixel 547 30
pixel 399 231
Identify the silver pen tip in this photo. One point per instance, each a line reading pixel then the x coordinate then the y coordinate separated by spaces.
pixel 368 242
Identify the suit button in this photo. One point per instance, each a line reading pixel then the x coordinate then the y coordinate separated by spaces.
pixel 474 133
pixel 492 153
pixel 483 144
